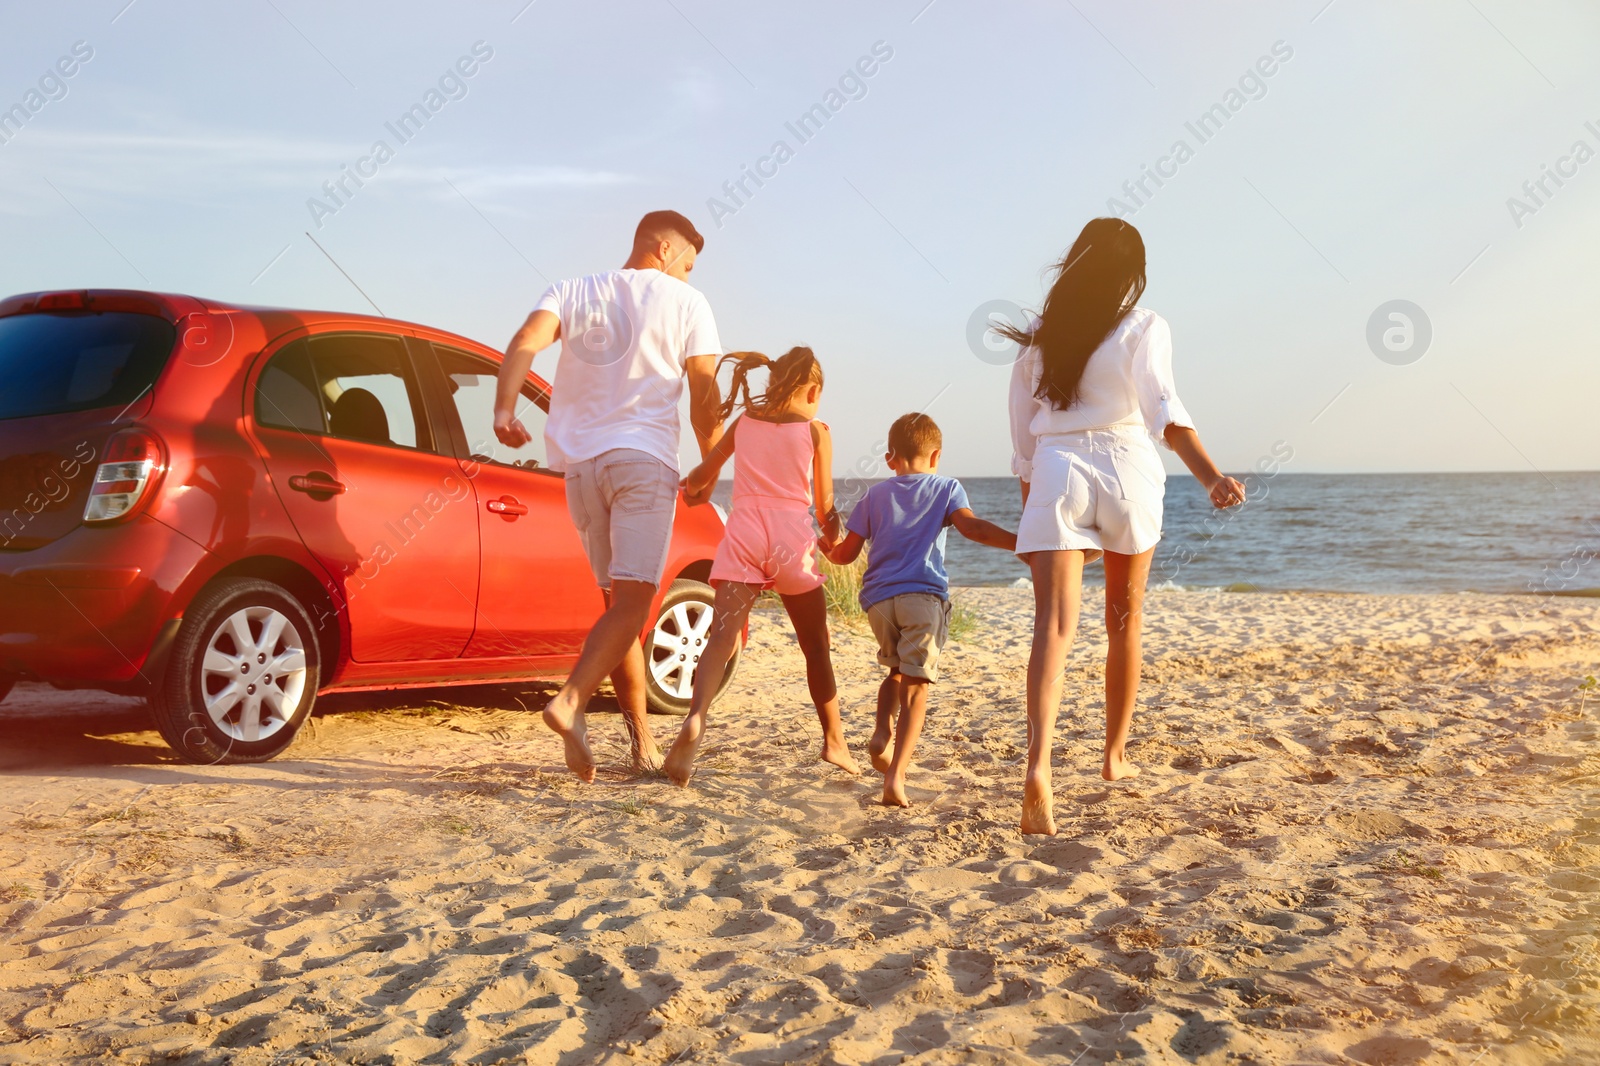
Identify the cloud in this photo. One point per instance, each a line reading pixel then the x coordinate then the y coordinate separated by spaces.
pixel 232 166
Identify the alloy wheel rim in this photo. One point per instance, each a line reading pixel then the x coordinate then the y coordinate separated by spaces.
pixel 676 645
pixel 253 674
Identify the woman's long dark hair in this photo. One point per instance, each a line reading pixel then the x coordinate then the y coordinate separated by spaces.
pixel 1098 282
pixel 786 375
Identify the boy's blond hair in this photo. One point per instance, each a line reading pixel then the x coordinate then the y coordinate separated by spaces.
pixel 914 436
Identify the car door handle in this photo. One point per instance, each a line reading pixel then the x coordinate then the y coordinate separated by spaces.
pixel 507 507
pixel 317 485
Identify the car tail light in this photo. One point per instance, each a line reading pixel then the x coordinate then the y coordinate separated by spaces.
pixel 133 464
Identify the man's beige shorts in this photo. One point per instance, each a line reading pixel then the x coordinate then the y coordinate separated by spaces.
pixel 911 629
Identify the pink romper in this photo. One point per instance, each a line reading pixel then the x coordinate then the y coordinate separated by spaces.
pixel 770 541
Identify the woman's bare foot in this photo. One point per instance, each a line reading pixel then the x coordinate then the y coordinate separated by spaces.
pixel 877 749
pixel 1117 769
pixel 894 792
pixel 1038 813
pixel 680 759
pixel 574 734
pixel 835 752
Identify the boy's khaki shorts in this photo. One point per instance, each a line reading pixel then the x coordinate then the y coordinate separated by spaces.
pixel 911 629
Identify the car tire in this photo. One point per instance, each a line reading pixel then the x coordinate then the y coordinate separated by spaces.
pixel 669 660
pixel 242 677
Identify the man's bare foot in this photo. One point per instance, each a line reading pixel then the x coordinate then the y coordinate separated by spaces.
pixel 643 750
pixel 877 750
pixel 574 734
pixel 1038 813
pixel 680 758
pixel 835 752
pixel 894 792
pixel 646 758
pixel 1118 769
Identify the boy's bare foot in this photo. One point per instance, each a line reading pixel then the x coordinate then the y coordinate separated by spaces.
pixel 877 750
pixel 894 792
pixel 835 752
pixel 1118 769
pixel 574 734
pixel 1038 813
pixel 680 759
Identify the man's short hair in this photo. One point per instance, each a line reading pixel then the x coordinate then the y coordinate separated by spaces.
pixel 657 224
pixel 914 436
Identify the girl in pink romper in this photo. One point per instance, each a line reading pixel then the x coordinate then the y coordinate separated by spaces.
pixel 770 542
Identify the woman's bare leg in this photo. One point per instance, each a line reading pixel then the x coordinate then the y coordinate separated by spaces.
pixel 1057 589
pixel 1126 576
pixel 809 614
pixel 729 610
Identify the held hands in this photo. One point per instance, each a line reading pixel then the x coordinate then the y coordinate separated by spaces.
pixel 698 485
pixel 510 430
pixel 1226 492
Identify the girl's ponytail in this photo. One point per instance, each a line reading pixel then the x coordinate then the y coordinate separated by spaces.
pixel 743 363
pixel 788 374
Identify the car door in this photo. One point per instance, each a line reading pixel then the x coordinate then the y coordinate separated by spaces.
pixel 536 593
pixel 342 427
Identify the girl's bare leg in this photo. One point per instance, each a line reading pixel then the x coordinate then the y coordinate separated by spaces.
pixel 1126 576
pixel 1057 589
pixel 729 610
pixel 809 614
pixel 883 730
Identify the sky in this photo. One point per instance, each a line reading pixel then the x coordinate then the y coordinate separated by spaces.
pixel 1361 153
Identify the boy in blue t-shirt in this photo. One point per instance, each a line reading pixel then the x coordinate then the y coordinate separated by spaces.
pixel 905 591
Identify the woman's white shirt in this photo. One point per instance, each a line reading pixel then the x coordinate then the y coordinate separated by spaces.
pixel 1126 383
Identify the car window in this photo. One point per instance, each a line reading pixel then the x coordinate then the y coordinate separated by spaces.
pixel 286 393
pixel 51 363
pixel 352 385
pixel 471 380
pixel 367 389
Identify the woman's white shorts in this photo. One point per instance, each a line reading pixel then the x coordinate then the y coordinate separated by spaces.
pixel 1097 489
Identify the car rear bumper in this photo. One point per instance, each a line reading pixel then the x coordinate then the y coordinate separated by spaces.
pixel 88 609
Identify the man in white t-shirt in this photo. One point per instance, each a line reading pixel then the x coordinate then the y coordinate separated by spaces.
pixel 629 340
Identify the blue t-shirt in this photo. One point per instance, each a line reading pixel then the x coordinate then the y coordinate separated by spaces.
pixel 904 518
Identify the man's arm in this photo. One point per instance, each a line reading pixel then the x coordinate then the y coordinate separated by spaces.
pixel 537 333
pixel 982 531
pixel 697 486
pixel 705 402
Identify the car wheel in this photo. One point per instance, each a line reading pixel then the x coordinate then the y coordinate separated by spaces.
pixel 6 681
pixel 673 647
pixel 242 677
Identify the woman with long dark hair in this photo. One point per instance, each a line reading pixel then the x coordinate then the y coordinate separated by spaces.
pixel 1091 393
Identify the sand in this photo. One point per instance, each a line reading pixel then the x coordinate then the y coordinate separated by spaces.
pixel 1367 832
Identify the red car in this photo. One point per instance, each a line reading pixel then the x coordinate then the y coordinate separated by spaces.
pixel 231 509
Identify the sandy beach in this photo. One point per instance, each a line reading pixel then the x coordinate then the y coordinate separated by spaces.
pixel 1367 832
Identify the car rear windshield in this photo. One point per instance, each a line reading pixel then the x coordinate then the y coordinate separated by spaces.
pixel 76 361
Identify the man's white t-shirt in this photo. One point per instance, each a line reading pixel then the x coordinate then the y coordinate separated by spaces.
pixel 625 338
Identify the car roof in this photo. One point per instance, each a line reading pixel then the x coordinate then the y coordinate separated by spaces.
pixel 173 306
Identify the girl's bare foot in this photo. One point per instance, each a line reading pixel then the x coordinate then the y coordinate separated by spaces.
pixel 835 752
pixel 1038 813
pixel 1117 769
pixel 894 792
pixel 877 749
pixel 680 759
pixel 574 736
